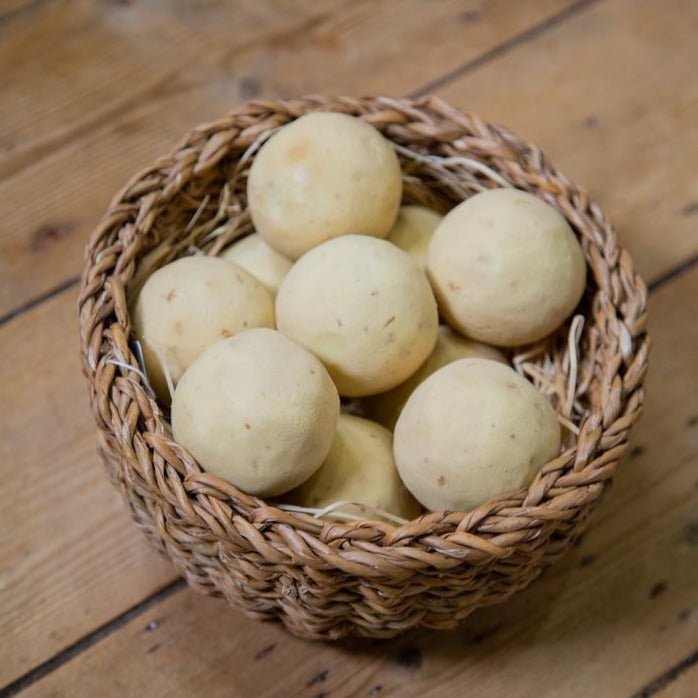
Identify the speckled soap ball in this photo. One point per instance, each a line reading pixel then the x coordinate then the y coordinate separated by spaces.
pixel 385 407
pixel 321 176
pixel 473 430
pixel 257 410
pixel 364 308
pixel 506 267
pixel 189 304
pixel 359 469
pixel 413 230
pixel 254 255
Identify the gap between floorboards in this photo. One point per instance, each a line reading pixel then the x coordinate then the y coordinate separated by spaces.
pixel 87 641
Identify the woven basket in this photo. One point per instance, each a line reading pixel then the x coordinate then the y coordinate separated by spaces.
pixel 325 579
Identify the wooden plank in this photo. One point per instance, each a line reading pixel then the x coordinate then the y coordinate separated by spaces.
pixel 69 557
pixel 71 149
pixel 611 97
pixel 102 64
pixel 107 57
pixel 612 616
pixel 396 47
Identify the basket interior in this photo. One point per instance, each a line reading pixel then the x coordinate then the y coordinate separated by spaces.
pixel 210 212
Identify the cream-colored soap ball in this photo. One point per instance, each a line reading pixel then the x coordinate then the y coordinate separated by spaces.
pixel 321 176
pixel 385 407
pixel 189 304
pixel 359 469
pixel 506 267
pixel 264 263
pixel 364 308
pixel 473 430
pixel 413 230
pixel 257 410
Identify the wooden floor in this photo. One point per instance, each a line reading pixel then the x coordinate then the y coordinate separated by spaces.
pixel 92 90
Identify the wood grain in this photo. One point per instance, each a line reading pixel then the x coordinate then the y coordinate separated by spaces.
pixel 69 557
pixel 67 151
pixel 616 613
pixel 611 97
pixel 115 54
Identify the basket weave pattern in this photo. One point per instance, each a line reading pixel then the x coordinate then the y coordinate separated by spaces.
pixel 324 579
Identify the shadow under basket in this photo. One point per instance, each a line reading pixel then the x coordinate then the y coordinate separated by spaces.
pixel 326 579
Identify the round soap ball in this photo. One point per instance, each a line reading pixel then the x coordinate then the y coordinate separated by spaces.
pixel 258 411
pixel 506 267
pixel 189 304
pixel 413 230
pixel 385 407
pixel 364 308
pixel 321 176
pixel 359 469
pixel 473 430
pixel 264 263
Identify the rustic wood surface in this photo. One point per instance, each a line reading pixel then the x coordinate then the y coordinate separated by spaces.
pixel 90 91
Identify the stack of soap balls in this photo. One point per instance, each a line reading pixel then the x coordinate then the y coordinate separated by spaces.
pixel 339 292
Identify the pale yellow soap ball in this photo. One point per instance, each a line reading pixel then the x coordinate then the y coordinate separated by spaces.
pixel 413 230
pixel 264 263
pixel 473 430
pixel 189 304
pixel 321 176
pixel 506 267
pixel 385 408
pixel 359 469
pixel 364 308
pixel 258 411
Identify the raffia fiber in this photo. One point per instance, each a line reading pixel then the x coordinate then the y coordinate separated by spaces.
pixel 327 579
